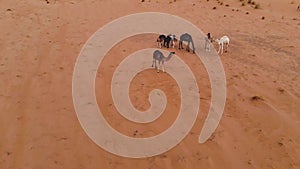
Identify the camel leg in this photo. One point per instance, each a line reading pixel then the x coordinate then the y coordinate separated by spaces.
pixel 180 45
pixel 227 46
pixel 207 48
pixel 158 66
pixel 193 46
pixel 207 45
pixel 222 48
pixel 153 63
pixel 188 47
pixel 163 66
pixel 219 48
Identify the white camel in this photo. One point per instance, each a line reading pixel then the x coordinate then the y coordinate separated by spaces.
pixel 224 40
pixel 159 56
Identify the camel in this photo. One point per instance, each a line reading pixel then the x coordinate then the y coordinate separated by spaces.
pixel 172 40
pixel 166 41
pixel 223 40
pixel 160 40
pixel 159 56
pixel 188 38
pixel 208 41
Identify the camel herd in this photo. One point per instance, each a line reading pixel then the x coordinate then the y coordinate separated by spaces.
pixel 170 41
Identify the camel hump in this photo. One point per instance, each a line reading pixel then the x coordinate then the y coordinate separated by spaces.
pixel 225 38
pixel 157 53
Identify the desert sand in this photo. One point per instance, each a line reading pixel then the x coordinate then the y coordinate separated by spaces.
pixel 41 40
